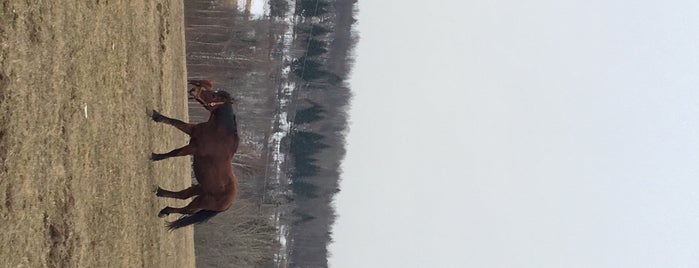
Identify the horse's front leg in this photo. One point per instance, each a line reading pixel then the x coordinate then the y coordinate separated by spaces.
pixel 186 150
pixel 184 194
pixel 184 127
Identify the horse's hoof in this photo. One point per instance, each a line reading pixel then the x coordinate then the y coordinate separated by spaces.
pixel 159 192
pixel 163 213
pixel 150 113
pixel 155 115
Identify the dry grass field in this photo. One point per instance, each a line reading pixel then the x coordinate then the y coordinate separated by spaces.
pixel 76 185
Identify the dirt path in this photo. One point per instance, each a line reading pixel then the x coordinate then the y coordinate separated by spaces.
pixel 75 182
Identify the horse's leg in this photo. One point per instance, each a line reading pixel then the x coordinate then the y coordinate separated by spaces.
pixel 184 127
pixel 184 194
pixel 192 208
pixel 186 150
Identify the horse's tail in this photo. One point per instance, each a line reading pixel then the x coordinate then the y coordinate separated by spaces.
pixel 199 217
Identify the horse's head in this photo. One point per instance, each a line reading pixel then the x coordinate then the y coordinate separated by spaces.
pixel 209 98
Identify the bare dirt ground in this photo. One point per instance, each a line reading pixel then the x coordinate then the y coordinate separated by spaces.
pixel 76 185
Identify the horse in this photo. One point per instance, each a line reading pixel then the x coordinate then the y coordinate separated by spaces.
pixel 212 145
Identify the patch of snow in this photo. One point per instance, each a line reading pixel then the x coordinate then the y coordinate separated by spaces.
pixel 282 128
pixel 258 8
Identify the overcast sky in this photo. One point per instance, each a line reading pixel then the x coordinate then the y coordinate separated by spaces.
pixel 509 133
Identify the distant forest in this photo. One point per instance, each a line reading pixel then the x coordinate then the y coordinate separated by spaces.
pixel 325 40
pixel 289 65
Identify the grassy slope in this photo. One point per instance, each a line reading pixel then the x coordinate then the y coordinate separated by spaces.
pixel 75 182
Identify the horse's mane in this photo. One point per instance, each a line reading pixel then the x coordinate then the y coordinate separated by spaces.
pixel 226 117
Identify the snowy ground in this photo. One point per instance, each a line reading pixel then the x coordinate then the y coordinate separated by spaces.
pixel 282 127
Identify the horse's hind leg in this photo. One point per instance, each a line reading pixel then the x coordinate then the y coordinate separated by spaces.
pixel 184 194
pixel 189 209
pixel 186 150
pixel 184 127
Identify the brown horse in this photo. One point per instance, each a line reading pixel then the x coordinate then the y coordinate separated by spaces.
pixel 212 144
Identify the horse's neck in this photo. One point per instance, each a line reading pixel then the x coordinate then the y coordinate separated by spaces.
pixel 224 115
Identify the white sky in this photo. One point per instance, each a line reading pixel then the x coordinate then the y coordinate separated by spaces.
pixel 509 133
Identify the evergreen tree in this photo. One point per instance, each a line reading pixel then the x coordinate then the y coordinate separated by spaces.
pixel 307 69
pixel 303 146
pixel 312 8
pixel 316 47
pixel 308 115
pixel 304 189
pixel 313 30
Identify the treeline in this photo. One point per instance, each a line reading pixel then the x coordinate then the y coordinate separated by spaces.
pixel 323 42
